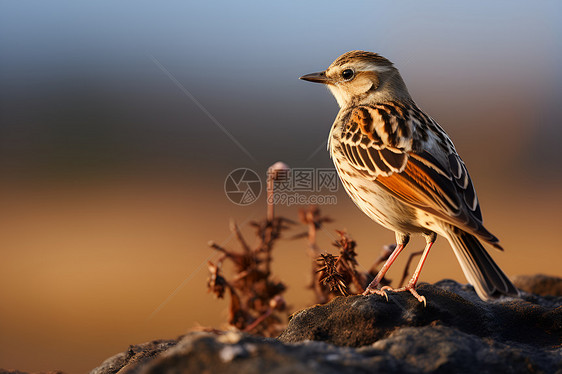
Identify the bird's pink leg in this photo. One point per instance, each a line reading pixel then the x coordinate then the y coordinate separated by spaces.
pixel 372 288
pixel 412 283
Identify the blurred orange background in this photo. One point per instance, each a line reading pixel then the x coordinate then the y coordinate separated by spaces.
pixel 113 175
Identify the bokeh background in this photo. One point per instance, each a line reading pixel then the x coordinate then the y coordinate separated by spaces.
pixel 112 175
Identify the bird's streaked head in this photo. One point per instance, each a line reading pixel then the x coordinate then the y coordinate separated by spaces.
pixel 360 77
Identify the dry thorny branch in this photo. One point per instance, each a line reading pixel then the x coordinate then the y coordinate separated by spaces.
pixel 334 275
pixel 339 274
pixel 254 296
pixel 256 300
pixel 342 268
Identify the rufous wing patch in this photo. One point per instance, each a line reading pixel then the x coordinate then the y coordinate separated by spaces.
pixel 416 186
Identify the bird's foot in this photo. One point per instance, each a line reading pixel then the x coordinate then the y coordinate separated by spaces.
pixel 371 291
pixel 409 287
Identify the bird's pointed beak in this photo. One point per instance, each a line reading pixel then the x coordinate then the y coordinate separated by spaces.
pixel 316 77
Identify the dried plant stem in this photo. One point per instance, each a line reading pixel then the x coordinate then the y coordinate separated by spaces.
pixel 359 284
pixel 274 172
pixel 314 221
pixel 312 250
pixel 407 267
pixel 266 244
pixel 385 254
pixel 270 197
pixel 258 320
pixel 255 299
pixel 238 235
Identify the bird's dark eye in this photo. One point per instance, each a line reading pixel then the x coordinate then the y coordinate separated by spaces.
pixel 347 74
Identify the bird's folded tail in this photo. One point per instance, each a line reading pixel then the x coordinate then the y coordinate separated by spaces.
pixel 479 268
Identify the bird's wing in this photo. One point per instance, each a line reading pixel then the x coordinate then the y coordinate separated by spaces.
pixel 385 143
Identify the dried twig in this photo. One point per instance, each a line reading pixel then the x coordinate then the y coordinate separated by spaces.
pixel 274 172
pixel 255 299
pixel 236 231
pixel 340 273
pixel 407 267
pixel 314 221
pixel 329 275
pixel 348 261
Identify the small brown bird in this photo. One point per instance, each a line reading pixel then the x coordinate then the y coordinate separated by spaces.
pixel 402 170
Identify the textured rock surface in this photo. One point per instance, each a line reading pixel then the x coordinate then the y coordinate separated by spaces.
pixel 456 332
pixel 361 320
pixel 134 358
pixel 428 349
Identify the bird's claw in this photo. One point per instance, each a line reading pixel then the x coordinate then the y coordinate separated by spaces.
pixel 381 292
pixel 420 298
pixel 409 287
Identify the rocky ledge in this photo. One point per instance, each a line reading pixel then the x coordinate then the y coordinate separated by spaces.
pixel 455 332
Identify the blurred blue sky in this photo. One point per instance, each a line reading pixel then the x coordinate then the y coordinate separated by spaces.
pixel 245 40
pixel 89 64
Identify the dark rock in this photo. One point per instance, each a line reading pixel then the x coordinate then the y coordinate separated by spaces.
pixel 543 285
pixel 455 332
pixel 356 321
pixel 131 361
pixel 441 349
pixel 235 353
